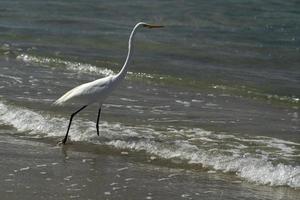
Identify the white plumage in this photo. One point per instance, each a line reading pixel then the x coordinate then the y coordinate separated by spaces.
pixel 88 93
pixel 97 91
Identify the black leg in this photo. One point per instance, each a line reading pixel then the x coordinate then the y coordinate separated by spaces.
pixel 97 125
pixel 71 118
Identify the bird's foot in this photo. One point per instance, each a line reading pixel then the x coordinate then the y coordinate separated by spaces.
pixel 61 142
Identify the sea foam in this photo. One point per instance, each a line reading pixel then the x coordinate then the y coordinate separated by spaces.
pixel 72 66
pixel 188 145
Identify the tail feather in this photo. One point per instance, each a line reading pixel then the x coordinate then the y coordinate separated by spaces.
pixel 63 98
pixel 58 102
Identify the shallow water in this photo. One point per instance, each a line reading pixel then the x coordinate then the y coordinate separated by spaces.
pixel 89 172
pixel 216 89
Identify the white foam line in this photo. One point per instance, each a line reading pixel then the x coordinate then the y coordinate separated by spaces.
pixel 184 103
pixel 73 66
pixel 252 169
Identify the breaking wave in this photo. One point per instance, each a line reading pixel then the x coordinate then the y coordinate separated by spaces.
pixel 268 165
pixel 72 66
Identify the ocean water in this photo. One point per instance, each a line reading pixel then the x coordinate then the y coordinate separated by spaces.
pixel 218 89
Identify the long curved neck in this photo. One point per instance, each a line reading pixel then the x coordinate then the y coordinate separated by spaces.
pixel 123 71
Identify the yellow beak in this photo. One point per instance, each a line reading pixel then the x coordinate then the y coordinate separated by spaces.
pixel 152 26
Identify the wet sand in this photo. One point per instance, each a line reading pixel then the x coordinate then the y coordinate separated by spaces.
pixel 37 170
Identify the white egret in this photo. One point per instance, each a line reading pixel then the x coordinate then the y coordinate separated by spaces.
pixel 97 91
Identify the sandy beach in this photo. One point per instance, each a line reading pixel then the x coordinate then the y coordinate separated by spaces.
pixel 35 170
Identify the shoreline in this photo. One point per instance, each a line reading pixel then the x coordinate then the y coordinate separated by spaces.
pixel 31 169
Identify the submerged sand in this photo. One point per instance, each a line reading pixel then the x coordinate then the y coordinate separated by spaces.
pixel 37 170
